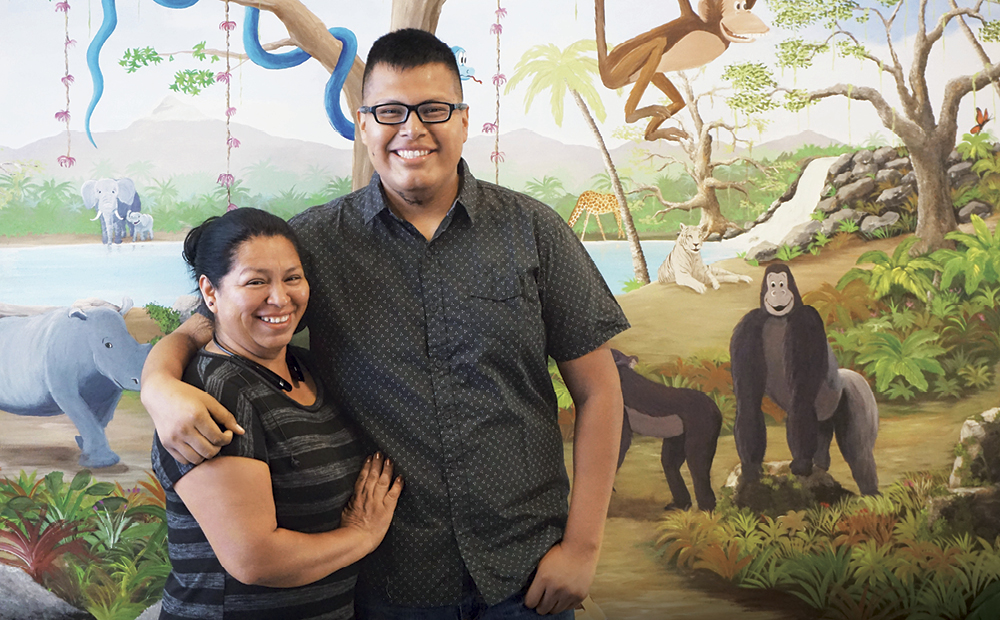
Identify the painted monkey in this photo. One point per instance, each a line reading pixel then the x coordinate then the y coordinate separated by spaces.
pixel 690 41
pixel 688 421
pixel 780 349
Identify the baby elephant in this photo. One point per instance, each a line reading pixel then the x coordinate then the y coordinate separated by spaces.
pixel 688 421
pixel 143 223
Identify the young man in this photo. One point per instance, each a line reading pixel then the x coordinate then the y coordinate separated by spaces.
pixel 436 302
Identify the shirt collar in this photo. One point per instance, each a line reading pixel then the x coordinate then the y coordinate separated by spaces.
pixel 374 201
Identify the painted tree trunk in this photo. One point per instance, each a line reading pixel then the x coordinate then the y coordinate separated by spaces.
pixel 638 259
pixel 935 210
pixel 712 219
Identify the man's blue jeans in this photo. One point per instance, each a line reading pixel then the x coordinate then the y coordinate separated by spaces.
pixel 472 607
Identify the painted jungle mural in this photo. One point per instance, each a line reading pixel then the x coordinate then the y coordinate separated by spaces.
pixel 794 201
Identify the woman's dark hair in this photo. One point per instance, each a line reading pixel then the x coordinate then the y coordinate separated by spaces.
pixel 209 248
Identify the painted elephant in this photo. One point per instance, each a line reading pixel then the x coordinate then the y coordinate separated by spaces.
pixel 113 199
pixel 71 361
pixel 142 224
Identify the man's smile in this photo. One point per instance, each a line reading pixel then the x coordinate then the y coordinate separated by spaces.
pixel 411 154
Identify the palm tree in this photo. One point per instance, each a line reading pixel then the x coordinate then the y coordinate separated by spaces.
pixel 337 187
pixel 236 193
pixel 16 185
pixel 163 193
pixel 602 182
pixel 103 169
pixel 548 190
pixel 573 70
pixel 53 192
pixel 140 170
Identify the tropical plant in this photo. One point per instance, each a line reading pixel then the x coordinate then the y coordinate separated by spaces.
pixel 867 557
pixel 975 146
pixel 34 542
pixel 900 272
pixel 842 307
pixel 887 357
pixel 548 189
pixel 788 252
pixel 979 260
pixel 337 187
pixel 167 319
pixel 848 226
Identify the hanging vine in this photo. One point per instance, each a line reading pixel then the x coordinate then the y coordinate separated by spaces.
pixel 67 160
pixel 499 79
pixel 226 179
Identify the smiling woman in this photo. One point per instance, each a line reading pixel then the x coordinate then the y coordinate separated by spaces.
pixel 295 469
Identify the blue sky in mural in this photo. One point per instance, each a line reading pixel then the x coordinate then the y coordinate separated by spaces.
pixel 288 103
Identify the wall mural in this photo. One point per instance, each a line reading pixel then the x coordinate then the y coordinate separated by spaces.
pixel 805 196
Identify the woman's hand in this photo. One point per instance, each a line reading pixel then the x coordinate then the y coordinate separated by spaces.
pixel 370 509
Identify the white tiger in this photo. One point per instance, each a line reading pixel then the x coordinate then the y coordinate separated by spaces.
pixel 685 266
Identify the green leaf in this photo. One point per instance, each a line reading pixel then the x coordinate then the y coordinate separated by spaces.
pixel 80 480
pixel 101 489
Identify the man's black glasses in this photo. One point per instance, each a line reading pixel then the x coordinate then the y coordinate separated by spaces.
pixel 397 113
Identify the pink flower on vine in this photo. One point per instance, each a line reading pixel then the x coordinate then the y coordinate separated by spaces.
pixel 223 76
pixel 67 79
pixel 62 115
pixel 231 207
pixel 226 180
pixel 230 112
pixel 499 79
pixel 489 127
pixel 496 157
pixel 496 28
pixel 227 26
pixel 233 143
pixel 66 161
pixel 70 42
pixel 501 13
pixel 62 7
pixel 981 317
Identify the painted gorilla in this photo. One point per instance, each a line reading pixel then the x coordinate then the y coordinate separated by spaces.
pixel 688 421
pixel 781 350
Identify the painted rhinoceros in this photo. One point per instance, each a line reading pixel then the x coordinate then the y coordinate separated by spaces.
pixel 71 361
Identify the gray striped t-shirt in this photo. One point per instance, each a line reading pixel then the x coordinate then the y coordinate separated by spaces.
pixel 314 456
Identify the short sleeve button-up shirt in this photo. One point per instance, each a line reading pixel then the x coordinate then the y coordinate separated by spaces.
pixel 439 350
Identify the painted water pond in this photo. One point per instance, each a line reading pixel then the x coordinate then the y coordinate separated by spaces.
pixel 58 275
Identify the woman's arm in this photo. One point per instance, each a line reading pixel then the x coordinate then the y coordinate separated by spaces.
pixel 187 419
pixel 231 499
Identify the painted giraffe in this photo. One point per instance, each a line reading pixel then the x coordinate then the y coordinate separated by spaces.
pixel 596 204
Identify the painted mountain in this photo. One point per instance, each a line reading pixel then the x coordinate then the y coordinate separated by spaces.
pixel 177 141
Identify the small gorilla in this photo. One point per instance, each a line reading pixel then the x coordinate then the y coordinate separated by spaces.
pixel 688 421
pixel 781 350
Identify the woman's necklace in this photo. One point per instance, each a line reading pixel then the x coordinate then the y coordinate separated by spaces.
pixel 272 377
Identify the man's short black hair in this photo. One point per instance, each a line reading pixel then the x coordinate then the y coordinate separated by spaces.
pixel 408 48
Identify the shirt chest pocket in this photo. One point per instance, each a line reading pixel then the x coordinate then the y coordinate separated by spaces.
pixel 497 305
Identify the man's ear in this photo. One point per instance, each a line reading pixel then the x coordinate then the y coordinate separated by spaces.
pixel 362 123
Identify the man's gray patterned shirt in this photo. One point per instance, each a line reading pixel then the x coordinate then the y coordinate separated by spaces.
pixel 439 350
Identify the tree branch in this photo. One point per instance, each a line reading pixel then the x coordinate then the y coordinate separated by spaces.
pixel 959 87
pixel 236 55
pixel 900 125
pixel 971 37
pixel 716 184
